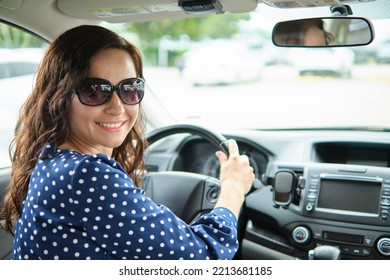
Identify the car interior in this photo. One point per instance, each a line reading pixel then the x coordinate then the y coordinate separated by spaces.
pixel 315 125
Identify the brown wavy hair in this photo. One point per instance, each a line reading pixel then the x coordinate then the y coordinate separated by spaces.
pixel 44 116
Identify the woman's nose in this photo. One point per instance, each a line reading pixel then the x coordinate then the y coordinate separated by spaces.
pixel 115 105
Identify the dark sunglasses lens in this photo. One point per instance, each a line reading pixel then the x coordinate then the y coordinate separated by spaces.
pixel 94 94
pixel 132 91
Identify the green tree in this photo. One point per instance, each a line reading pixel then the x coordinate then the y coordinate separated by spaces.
pixel 11 37
pixel 195 28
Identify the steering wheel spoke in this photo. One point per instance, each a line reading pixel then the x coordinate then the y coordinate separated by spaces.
pixel 188 195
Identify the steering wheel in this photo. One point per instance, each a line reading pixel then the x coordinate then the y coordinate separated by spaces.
pixel 188 195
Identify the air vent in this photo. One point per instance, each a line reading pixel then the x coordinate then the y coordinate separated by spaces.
pixel 297 170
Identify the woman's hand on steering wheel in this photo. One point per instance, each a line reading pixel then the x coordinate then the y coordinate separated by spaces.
pixel 236 178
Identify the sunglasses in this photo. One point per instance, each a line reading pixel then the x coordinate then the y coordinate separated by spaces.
pixel 96 91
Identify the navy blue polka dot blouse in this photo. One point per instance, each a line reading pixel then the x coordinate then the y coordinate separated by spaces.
pixel 87 207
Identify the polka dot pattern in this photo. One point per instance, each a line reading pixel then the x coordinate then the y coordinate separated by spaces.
pixel 87 207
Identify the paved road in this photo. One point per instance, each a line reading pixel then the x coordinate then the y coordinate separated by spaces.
pixel 280 99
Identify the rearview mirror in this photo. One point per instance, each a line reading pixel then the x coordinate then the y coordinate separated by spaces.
pixel 326 31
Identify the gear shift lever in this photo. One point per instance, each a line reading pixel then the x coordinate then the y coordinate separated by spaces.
pixel 325 252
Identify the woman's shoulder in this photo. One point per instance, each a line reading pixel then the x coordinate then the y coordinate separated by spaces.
pixel 75 168
pixel 69 159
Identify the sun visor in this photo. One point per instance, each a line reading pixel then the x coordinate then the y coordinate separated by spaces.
pixel 142 10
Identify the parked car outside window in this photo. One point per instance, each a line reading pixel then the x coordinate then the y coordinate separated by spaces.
pixel 17 70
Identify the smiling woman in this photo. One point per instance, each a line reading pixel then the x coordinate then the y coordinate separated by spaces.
pixel 76 176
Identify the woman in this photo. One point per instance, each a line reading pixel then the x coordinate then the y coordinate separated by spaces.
pixel 77 155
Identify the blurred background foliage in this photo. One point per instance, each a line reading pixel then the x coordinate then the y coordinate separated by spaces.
pixel 11 37
pixel 158 48
pixel 152 38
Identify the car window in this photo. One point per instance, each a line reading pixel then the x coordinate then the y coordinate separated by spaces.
pixel 20 55
pixel 16 69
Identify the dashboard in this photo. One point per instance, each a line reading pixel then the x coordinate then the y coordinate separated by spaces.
pixel 199 157
pixel 317 188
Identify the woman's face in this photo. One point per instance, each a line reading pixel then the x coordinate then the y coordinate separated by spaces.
pixel 315 37
pixel 99 129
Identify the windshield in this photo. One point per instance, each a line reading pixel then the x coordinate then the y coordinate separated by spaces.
pixel 235 78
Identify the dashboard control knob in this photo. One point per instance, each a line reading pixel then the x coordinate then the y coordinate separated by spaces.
pixel 309 207
pixel 384 214
pixel 383 246
pixel 301 235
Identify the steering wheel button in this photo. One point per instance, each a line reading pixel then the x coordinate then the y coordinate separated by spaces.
pixel 213 194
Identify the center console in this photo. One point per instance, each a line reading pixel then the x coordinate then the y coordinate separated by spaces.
pixel 353 200
pixel 353 194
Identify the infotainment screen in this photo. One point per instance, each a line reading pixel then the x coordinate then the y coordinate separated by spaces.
pixel 349 195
